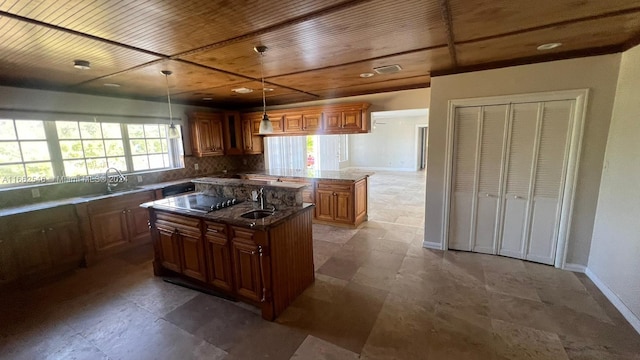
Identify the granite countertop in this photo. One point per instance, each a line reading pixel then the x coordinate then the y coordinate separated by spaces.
pixel 232 181
pixel 231 215
pixel 349 175
pixel 86 198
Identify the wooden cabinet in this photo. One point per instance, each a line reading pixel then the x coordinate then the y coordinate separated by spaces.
pixel 328 119
pixel 218 255
pixel 252 143
pixel 39 243
pixel 180 245
pixel 341 202
pixel 114 224
pixel 247 268
pixel 233 144
pixel 334 202
pixel 206 134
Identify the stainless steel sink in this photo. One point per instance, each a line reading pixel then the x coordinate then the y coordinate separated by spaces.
pixel 257 214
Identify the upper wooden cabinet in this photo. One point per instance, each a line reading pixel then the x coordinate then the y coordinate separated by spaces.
pixel 232 126
pixel 327 119
pixel 252 143
pixel 206 133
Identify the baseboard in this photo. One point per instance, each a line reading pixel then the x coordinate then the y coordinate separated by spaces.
pixel 615 300
pixel 575 268
pixel 432 245
pixel 365 168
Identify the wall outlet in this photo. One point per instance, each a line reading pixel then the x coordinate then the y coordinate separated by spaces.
pixel 244 161
pixel 35 193
pixel 139 178
pixel 195 166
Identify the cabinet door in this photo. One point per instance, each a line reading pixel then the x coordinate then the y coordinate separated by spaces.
pixel 344 207
pixel 109 228
pixel 64 243
pixel 324 205
pixel 233 144
pixel 246 262
pixel 206 135
pixel 138 224
pixel 169 249
pixel 312 122
pixel 192 250
pixel 31 251
pixel 293 123
pixel 252 142
pixel 352 119
pixel 332 120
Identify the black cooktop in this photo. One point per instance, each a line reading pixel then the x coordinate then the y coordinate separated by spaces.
pixel 198 202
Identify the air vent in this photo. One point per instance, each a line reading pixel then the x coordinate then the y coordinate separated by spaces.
pixel 388 69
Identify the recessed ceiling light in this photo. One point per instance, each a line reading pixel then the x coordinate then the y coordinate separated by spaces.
pixel 268 89
pixel 549 46
pixel 366 75
pixel 242 90
pixel 111 85
pixel 207 98
pixel 81 64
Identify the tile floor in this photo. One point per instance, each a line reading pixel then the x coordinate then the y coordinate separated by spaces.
pixel 378 295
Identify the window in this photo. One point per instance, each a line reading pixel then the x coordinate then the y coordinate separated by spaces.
pixel 24 151
pixel 313 152
pixel 37 149
pixel 149 147
pixel 90 148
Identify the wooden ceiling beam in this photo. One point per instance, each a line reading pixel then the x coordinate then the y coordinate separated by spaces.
pixel 445 10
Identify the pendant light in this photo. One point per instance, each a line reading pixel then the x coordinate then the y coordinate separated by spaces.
pixel 173 130
pixel 265 125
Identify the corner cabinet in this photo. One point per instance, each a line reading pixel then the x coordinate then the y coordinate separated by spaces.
pixel 206 131
pixel 252 142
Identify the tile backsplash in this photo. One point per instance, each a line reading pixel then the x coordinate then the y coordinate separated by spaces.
pixel 206 166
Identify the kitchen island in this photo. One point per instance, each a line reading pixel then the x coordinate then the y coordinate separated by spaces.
pixel 341 197
pixel 266 262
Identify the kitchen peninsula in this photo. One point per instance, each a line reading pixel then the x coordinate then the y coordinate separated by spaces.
pixel 340 196
pixel 259 252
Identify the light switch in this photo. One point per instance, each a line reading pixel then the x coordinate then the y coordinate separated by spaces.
pixel 35 193
pixel 195 166
pixel 139 178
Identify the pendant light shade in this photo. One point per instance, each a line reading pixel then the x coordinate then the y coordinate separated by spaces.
pixel 173 130
pixel 265 124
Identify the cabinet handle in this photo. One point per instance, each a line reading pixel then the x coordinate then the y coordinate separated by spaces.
pixel 213 230
pixel 50 229
pixel 42 231
pixel 129 210
pixel 264 289
pixel 124 211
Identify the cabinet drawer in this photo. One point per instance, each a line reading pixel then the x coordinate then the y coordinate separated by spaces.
pixel 169 222
pixel 334 186
pixel 215 229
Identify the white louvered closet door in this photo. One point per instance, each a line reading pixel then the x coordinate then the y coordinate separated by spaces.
pixel 465 156
pixel 509 166
pixel 519 164
pixel 493 126
pixel 550 171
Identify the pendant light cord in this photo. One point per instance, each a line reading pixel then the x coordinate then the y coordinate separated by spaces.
pixel 264 100
pixel 166 77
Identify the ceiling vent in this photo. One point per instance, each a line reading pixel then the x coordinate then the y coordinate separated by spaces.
pixel 387 69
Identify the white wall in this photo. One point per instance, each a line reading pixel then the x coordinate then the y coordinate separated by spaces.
pixel 392 145
pixel 615 246
pixel 599 74
pixel 53 101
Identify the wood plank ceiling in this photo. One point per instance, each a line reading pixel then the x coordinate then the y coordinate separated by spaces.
pixel 317 49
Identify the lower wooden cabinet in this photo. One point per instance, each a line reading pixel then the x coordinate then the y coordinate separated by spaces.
pixel 246 259
pixel 218 255
pixel 39 243
pixel 114 224
pixel 341 202
pixel 180 246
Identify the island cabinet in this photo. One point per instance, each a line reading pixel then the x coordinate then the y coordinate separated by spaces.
pixel 114 224
pixel 267 267
pixel 39 243
pixel 341 202
pixel 206 131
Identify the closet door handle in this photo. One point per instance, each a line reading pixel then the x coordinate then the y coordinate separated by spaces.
pixel 518 197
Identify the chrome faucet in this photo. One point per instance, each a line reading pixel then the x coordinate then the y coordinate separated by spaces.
pixel 261 198
pixel 110 185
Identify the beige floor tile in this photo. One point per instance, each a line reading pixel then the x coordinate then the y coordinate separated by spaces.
pixel 520 342
pixel 313 348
